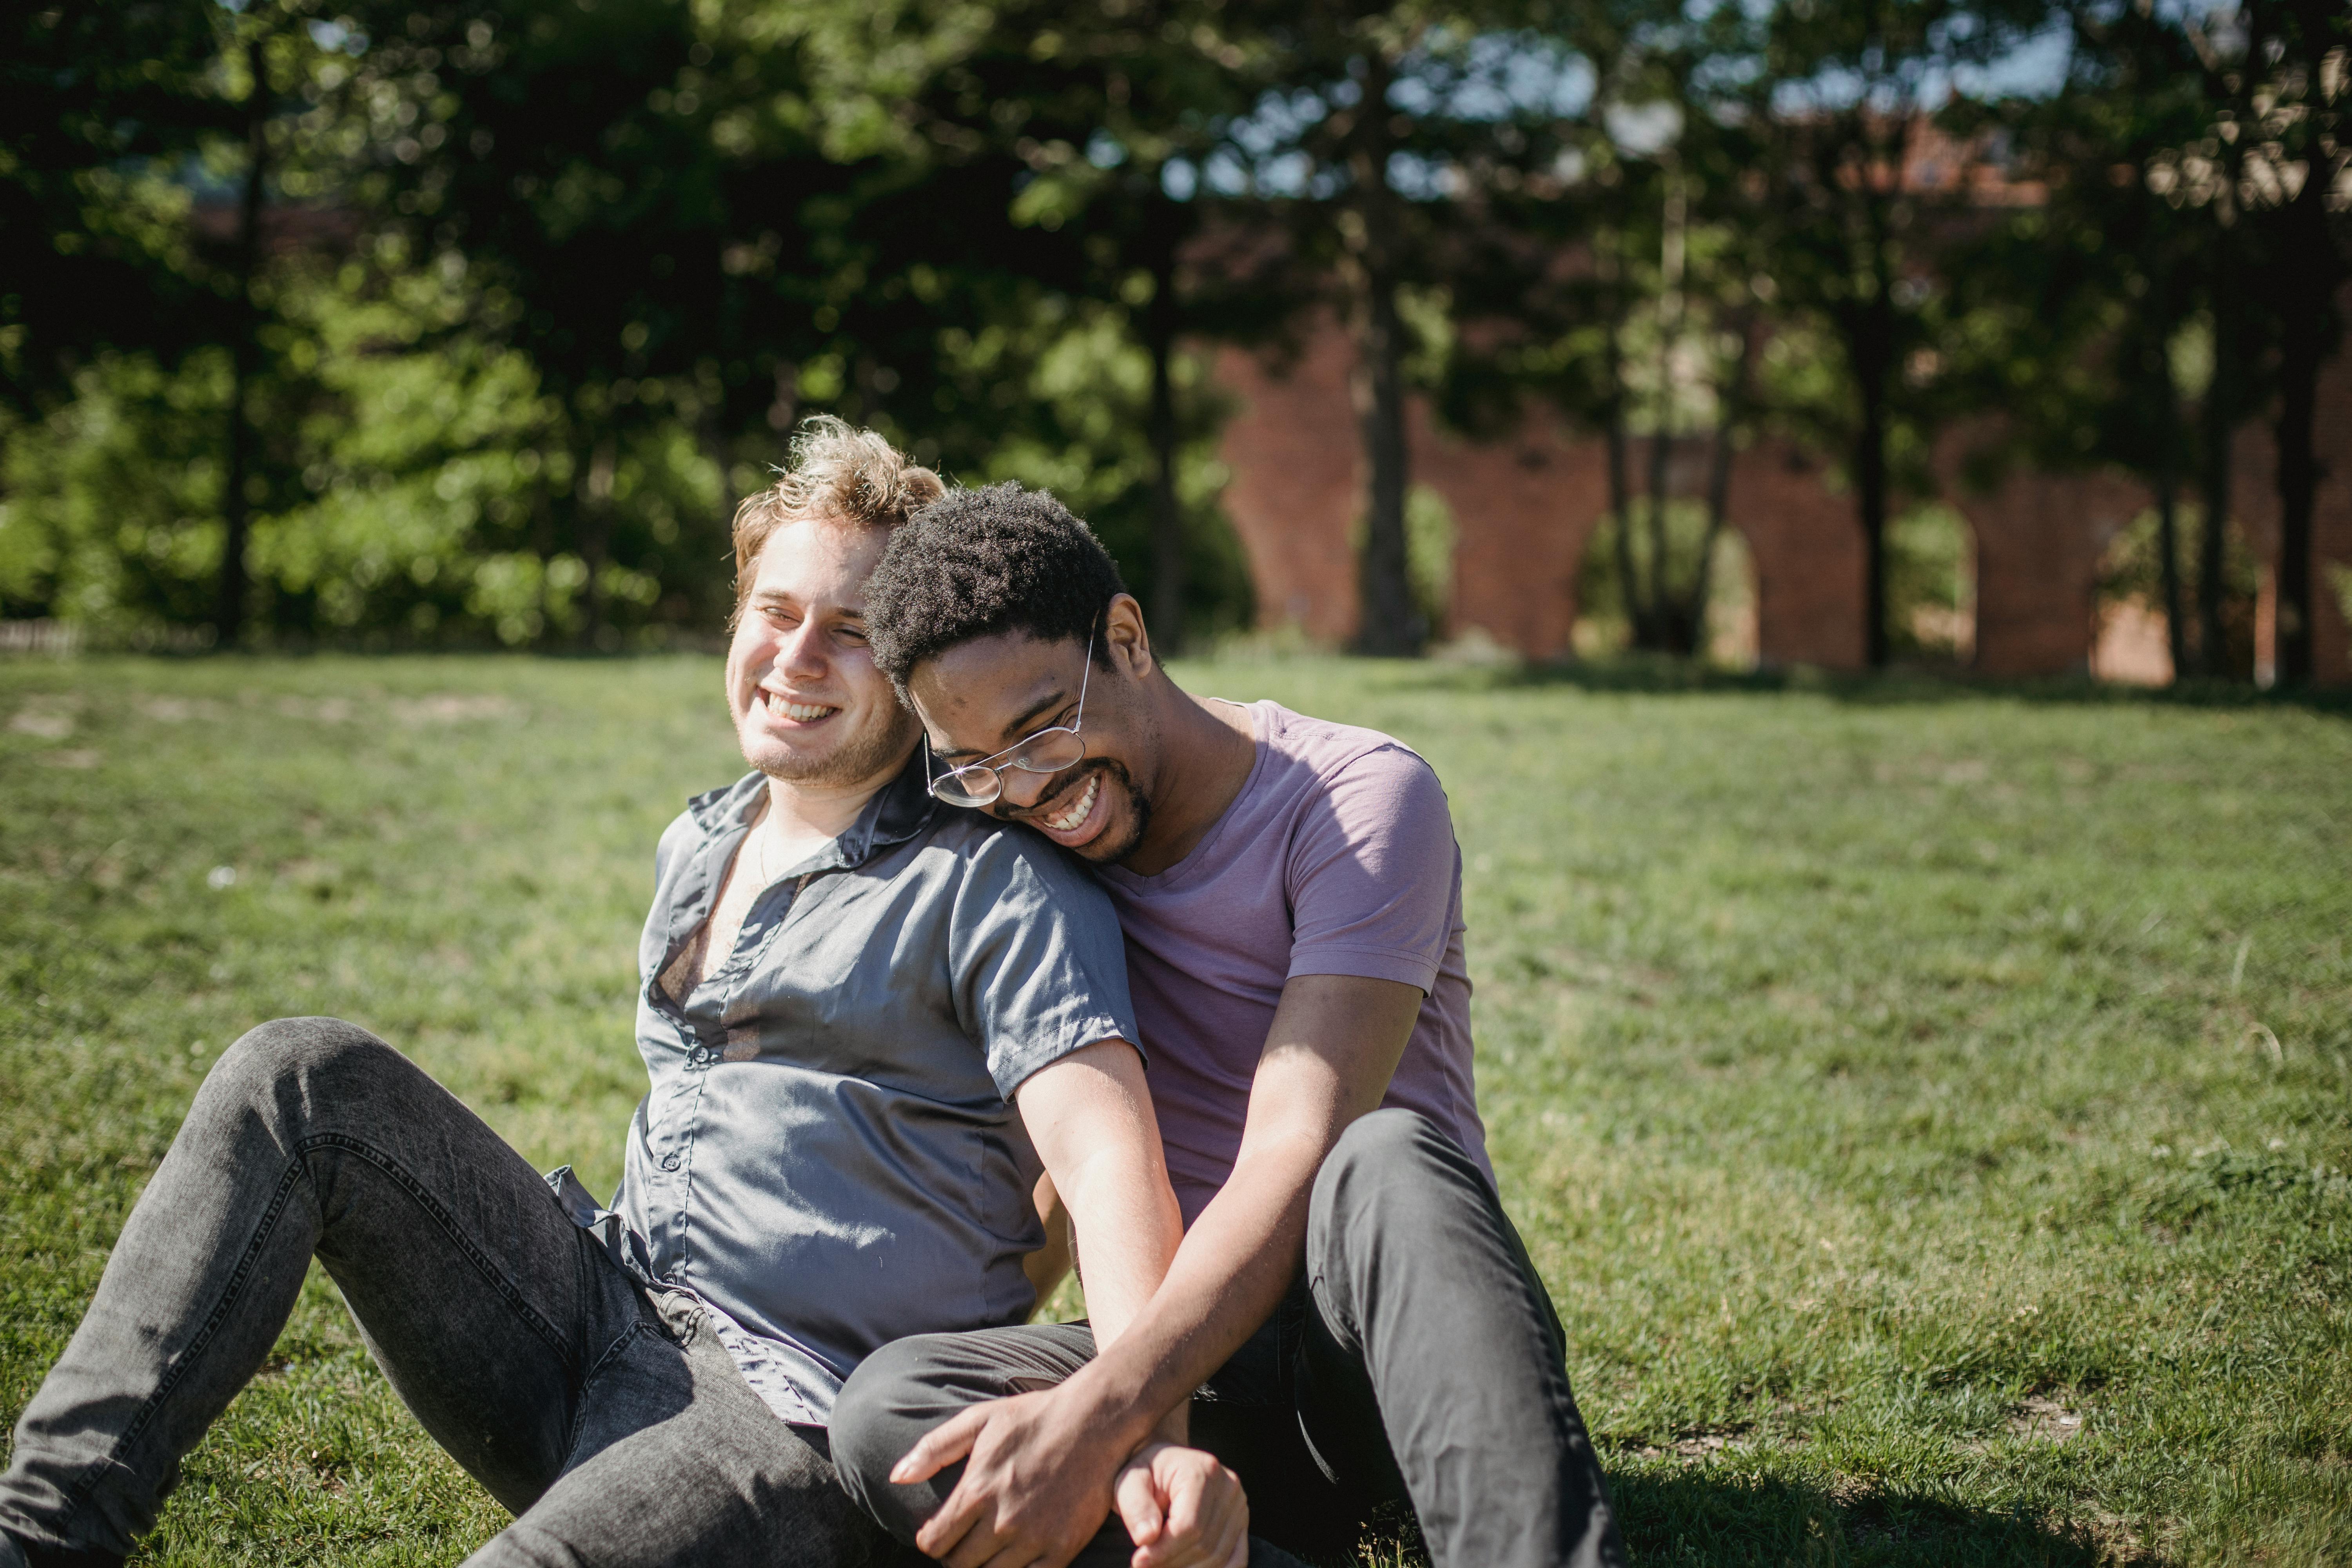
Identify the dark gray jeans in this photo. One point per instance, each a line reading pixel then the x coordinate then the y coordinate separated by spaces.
pixel 616 1432
pixel 1418 1364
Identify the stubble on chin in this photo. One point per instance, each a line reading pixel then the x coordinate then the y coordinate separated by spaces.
pixel 855 760
pixel 1106 849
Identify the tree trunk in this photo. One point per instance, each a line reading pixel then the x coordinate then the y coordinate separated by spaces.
pixel 1621 502
pixel 2307 269
pixel 1167 618
pixel 1653 628
pixel 2167 545
pixel 1729 409
pixel 2221 410
pixel 245 350
pixel 1392 625
pixel 1665 631
pixel 1870 486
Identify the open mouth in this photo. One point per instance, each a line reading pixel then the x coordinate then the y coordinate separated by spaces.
pixel 1077 822
pixel 778 706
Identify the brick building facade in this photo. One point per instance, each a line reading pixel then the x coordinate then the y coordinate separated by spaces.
pixel 1525 508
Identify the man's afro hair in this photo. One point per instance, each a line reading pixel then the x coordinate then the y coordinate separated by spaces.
pixel 978 562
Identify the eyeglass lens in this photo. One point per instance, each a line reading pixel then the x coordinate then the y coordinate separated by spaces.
pixel 1049 752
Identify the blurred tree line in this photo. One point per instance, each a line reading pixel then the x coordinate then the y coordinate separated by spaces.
pixel 466 320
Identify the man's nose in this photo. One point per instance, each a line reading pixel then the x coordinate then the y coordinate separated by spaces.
pixel 801 650
pixel 1021 789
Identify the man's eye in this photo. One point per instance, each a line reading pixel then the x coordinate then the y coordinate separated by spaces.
pixel 853 634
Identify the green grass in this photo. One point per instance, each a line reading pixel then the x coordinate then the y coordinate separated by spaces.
pixel 1928 1105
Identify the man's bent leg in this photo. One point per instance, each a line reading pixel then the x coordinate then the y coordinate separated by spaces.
pixel 910 1385
pixel 486 1307
pixel 906 1388
pixel 678 1464
pixel 1432 1330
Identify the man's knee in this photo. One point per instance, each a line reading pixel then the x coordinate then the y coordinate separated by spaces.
pixel 301 1060
pixel 1391 1167
pixel 1382 1151
pixel 884 1409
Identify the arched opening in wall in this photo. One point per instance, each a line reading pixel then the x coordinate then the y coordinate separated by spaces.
pixel 1931 587
pixel 1731 640
pixel 2132 640
pixel 1721 630
pixel 1428 558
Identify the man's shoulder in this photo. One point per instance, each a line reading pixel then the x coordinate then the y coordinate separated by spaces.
pixel 995 852
pixel 1322 753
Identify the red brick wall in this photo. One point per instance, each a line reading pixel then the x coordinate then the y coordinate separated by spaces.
pixel 2255 487
pixel 2040 540
pixel 1525 509
pixel 1806 542
pixel 1293 449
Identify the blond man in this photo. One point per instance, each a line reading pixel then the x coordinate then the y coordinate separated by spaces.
pixel 870 1024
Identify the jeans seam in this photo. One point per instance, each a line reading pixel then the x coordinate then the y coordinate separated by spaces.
pixel 482 1263
pixel 580 1406
pixel 182 1363
pixel 177 1372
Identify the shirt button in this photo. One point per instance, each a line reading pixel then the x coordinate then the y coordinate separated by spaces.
pixel 669 1161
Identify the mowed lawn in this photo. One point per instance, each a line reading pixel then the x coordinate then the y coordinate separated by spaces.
pixel 1930 1108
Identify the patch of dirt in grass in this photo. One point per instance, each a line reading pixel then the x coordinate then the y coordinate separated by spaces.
pixel 2117 1544
pixel 325 710
pixel 79 760
pixel 47 724
pixel 453 708
pixel 180 709
pixel 2045 1419
pixel 1696 1446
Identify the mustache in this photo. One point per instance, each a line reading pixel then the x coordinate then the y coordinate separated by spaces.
pixel 1076 772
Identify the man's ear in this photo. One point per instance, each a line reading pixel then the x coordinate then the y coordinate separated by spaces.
pixel 1126 638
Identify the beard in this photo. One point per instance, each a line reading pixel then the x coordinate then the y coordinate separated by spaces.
pixel 858 758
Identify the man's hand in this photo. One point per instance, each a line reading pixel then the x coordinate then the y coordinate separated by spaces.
pixel 1182 1510
pixel 1008 1510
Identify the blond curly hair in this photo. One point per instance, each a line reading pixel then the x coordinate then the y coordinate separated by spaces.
pixel 836 473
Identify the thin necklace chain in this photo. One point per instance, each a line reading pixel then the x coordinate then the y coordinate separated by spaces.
pixel 766 832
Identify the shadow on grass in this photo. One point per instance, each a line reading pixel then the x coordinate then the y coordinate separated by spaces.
pixel 1729 1521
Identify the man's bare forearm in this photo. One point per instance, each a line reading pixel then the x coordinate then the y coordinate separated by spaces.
pixel 1127 1227
pixel 1228 1277
pixel 1328 1056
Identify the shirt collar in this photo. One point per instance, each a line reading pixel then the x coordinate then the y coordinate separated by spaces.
pixel 895 813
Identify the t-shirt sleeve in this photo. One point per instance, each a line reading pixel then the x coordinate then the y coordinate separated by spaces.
pixel 1373 871
pixel 1038 966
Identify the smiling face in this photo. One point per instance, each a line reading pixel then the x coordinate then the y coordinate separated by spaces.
pixel 979 697
pixel 808 704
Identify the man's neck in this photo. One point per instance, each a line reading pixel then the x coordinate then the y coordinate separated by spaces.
pixel 1206 752
pixel 804 814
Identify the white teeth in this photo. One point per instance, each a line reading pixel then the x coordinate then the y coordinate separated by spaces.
pixel 1070 819
pixel 801 712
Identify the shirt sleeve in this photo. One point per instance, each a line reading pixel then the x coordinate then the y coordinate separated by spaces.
pixel 1038 966
pixel 1374 874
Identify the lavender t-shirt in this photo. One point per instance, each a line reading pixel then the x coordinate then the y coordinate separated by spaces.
pixel 1336 857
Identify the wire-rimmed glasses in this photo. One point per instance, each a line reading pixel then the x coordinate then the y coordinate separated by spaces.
pixel 1049 751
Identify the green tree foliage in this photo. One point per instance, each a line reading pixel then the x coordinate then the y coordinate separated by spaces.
pixel 441 320
pixel 94 253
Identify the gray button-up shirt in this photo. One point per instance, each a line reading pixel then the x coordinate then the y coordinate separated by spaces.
pixel 829 1157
